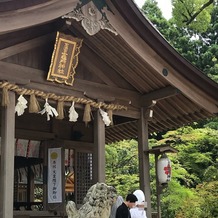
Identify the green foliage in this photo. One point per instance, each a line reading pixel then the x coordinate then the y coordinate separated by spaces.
pixel 212 124
pixel 205 203
pixel 184 14
pixel 192 191
pixel 175 197
pixel 197 152
pixel 209 193
pixel 195 164
pixel 122 166
pixel 151 10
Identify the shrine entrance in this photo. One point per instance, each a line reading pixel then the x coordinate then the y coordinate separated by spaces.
pixel 31 174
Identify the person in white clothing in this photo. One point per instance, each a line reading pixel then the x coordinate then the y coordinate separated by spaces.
pixel 139 210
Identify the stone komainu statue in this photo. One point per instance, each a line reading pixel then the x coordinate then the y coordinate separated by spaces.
pixel 96 204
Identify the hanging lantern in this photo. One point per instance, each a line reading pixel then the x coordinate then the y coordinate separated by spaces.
pixel 164 169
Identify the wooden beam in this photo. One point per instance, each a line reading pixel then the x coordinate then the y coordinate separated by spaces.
pixel 159 94
pixel 35 78
pixel 19 19
pixel 135 114
pixel 19 74
pixel 34 135
pixel 25 46
pixel 36 214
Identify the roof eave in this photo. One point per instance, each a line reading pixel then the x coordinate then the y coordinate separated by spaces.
pixel 158 43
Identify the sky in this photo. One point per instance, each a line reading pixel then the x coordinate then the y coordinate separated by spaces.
pixel 164 5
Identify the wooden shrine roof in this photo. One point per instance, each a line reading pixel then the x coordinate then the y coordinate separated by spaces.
pixel 136 68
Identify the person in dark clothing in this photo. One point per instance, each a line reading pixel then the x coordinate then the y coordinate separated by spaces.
pixel 123 209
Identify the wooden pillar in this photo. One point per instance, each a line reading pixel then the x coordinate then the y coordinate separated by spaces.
pixel 99 149
pixel 158 189
pixel 144 171
pixel 7 158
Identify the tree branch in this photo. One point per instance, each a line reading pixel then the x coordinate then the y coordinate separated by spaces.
pixel 207 4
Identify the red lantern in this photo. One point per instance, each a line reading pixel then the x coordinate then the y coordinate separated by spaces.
pixel 164 169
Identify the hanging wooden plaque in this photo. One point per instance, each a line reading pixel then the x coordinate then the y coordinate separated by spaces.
pixel 64 59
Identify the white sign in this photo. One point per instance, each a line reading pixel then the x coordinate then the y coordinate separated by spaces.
pixel 54 175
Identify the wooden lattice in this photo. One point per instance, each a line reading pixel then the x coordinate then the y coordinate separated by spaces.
pixel 84 175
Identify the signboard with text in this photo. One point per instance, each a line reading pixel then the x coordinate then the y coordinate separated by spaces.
pixel 54 176
pixel 64 59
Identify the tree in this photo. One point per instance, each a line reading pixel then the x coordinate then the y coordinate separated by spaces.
pixel 122 166
pixel 194 14
pixel 153 12
pixel 198 149
pixel 195 173
pixel 209 193
pixel 205 203
pixel 198 47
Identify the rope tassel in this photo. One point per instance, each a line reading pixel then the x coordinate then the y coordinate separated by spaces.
pixel 5 97
pixel 87 114
pixel 60 110
pixel 34 106
pixel 110 114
